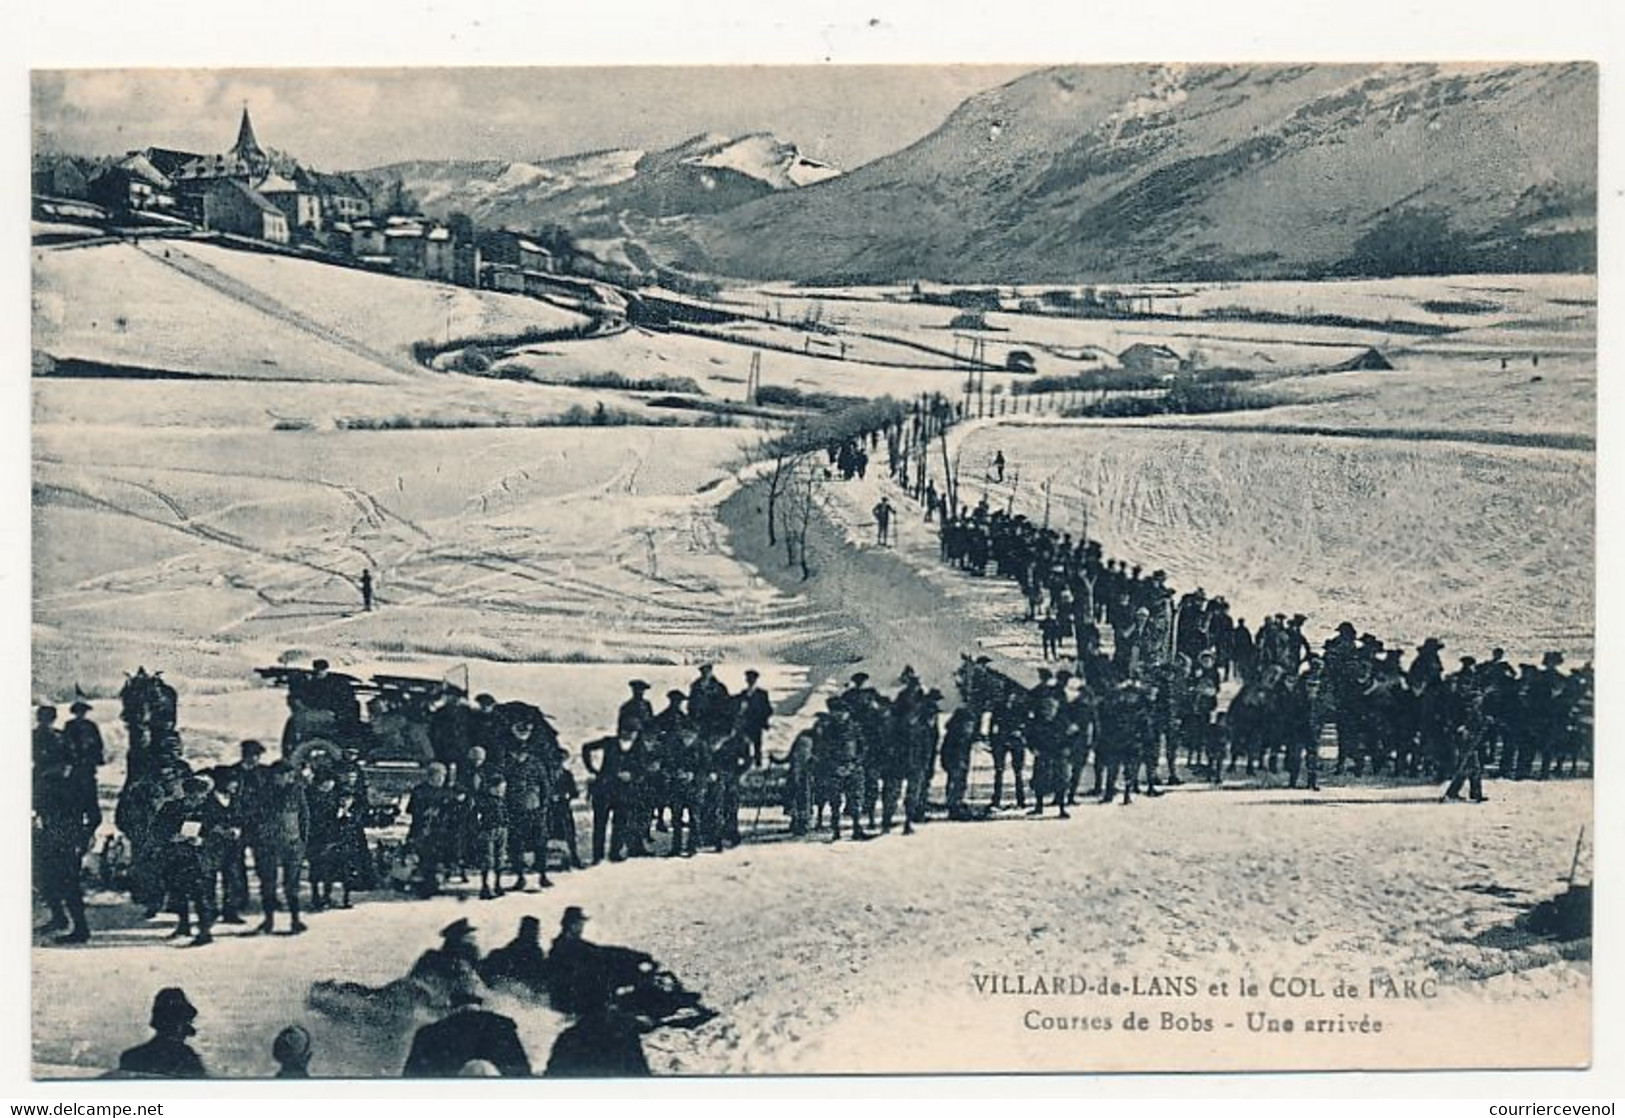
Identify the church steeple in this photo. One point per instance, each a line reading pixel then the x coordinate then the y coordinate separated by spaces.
pixel 247 148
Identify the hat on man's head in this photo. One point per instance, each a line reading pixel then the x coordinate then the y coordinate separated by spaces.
pixel 197 786
pixel 170 1006
pixel 457 929
pixel 251 746
pixel 1551 659
pixel 44 712
pixel 485 699
pixel 675 695
pixel 752 673
pixel 860 678
pixel 80 707
pixel 319 665
pixel 572 915
pixel 638 684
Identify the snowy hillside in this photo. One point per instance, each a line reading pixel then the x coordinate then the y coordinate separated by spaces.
pixel 1191 172
pixel 201 309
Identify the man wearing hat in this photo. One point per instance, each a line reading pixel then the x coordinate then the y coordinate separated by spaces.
pixel 755 712
pixel 708 704
pixel 467 1033
pixel 281 832
pixel 457 956
pixel 579 972
pixel 620 810
pixel 636 713
pixel 167 1054
pixel 189 828
pixel 83 739
pixel 521 960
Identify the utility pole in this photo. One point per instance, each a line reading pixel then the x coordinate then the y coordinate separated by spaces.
pixel 753 380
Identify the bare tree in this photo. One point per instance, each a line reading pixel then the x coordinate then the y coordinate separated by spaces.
pixel 801 497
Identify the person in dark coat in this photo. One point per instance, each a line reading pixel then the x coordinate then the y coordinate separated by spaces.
pixel 189 829
pixel 635 713
pixel 457 956
pixel 83 739
pixel 467 1033
pixel 281 835
pixel 66 816
pixel 167 1054
pixel 520 961
pixel 755 712
pixel 48 745
pixel 603 1042
pixel 708 703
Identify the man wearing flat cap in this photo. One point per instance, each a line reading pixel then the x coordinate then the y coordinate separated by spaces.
pixel 636 713
pixel 755 712
pixel 708 704
pixel 167 1055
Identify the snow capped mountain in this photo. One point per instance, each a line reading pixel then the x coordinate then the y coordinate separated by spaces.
pixel 1204 171
pixel 703 174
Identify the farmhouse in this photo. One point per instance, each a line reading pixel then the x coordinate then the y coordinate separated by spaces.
pixel 57 176
pixel 1144 357
pixel 132 185
pixel 231 206
pixel 295 196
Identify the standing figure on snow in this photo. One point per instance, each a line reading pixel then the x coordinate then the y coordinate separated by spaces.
pixel 281 834
pixel 883 517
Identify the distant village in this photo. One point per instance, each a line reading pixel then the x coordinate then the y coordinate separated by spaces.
pixel 251 194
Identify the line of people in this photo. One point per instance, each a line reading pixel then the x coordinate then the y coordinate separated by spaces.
pixel 1404 719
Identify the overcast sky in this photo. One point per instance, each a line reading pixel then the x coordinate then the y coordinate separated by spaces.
pixel 347 119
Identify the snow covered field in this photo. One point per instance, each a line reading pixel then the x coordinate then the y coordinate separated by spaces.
pixel 209 526
pixel 865 957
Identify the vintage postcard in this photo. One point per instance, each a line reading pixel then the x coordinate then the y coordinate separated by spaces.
pixel 813 570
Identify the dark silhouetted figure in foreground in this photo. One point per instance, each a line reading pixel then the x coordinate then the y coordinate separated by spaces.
pixel 167 1054
pixel 291 1051
pixel 467 1033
